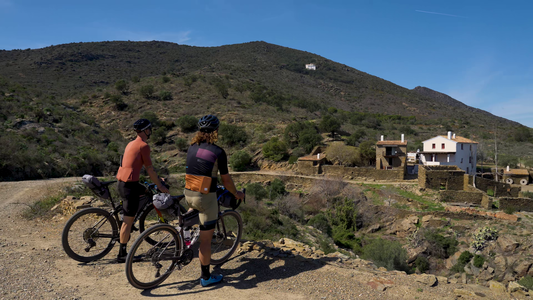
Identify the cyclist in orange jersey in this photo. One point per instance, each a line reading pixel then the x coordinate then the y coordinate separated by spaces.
pixel 136 155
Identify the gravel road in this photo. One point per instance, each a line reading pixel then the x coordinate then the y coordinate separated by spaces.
pixel 34 266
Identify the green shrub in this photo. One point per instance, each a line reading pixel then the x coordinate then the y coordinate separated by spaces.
pixel 422 264
pixel 527 281
pixel 490 192
pixel 510 210
pixel 187 123
pixel 388 254
pixel 239 160
pixel 275 149
pixel 320 222
pixel 147 91
pixel 325 245
pixel 135 79
pixel 527 194
pixel 119 103
pixel 159 135
pixel 121 85
pixel 150 116
pixel 465 258
pixel 479 260
pixel 439 245
pixel 293 159
pixel 257 190
pixel 182 144
pixel 277 188
pixel 165 79
pixel 232 135
pixel 165 95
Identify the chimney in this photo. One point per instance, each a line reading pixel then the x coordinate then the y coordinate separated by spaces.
pixel 382 138
pixel 402 137
pixel 454 136
pixel 318 156
pixel 507 168
pixel 449 135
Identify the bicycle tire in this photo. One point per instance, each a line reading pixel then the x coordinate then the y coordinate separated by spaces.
pixel 143 256
pixel 149 218
pixel 226 238
pixel 87 227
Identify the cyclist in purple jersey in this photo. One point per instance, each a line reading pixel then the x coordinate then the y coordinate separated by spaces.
pixel 204 161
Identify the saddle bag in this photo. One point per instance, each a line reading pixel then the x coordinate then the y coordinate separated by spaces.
pixel 96 186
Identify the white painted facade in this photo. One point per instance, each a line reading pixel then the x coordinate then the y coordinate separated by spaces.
pixel 450 150
pixel 310 66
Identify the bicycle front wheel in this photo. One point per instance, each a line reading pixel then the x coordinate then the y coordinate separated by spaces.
pixel 89 234
pixel 226 238
pixel 153 256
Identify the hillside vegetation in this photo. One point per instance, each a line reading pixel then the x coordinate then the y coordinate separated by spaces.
pixel 69 108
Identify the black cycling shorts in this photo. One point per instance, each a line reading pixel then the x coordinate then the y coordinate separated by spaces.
pixel 130 192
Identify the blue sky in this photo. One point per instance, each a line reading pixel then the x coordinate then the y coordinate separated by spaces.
pixel 479 52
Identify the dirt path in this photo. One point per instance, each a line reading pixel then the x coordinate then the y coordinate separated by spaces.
pixel 34 266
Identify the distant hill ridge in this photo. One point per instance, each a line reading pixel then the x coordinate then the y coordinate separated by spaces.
pixel 65 70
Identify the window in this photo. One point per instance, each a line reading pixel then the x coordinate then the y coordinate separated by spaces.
pixel 433 146
pixel 442 146
pixel 470 159
pixel 462 146
pixel 461 160
pixel 467 170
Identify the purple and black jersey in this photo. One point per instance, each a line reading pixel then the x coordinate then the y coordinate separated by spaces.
pixel 205 160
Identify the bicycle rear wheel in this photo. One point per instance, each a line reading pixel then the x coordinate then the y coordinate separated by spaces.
pixel 153 256
pixel 226 238
pixel 89 234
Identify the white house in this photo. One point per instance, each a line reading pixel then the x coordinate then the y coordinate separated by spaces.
pixel 310 66
pixel 450 150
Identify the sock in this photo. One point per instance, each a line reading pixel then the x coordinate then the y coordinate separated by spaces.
pixel 205 272
pixel 122 250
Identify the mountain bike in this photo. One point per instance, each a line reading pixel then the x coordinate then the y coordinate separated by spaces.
pixel 148 264
pixel 91 233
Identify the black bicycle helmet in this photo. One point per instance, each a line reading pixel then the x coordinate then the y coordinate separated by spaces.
pixel 141 125
pixel 208 123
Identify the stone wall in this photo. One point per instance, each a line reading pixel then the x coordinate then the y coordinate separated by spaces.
pixel 500 189
pixel 462 197
pixel 363 173
pixel 309 168
pixel 521 204
pixel 441 177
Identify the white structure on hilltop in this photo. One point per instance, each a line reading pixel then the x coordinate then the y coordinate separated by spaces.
pixel 310 66
pixel 450 150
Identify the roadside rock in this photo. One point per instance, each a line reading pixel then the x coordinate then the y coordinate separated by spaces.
pixel 432 221
pixel 507 243
pixel 427 279
pixel 515 287
pixel 497 287
pixel 522 268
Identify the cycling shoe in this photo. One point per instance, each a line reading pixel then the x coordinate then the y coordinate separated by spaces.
pixel 214 279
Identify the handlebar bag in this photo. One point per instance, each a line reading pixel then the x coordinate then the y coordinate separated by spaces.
pixel 162 201
pixel 96 186
pixel 227 199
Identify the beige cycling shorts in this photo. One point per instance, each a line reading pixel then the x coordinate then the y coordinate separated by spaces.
pixel 206 204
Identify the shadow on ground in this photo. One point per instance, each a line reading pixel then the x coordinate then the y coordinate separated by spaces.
pixel 251 272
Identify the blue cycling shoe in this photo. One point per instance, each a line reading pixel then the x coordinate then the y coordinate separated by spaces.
pixel 214 279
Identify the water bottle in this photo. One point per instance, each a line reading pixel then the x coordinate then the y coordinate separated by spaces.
pixel 187 237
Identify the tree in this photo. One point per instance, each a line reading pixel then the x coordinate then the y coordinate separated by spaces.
pixel 275 149
pixel 165 95
pixel 353 140
pixel 342 154
pixel 330 124
pixel 187 123
pixel 367 152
